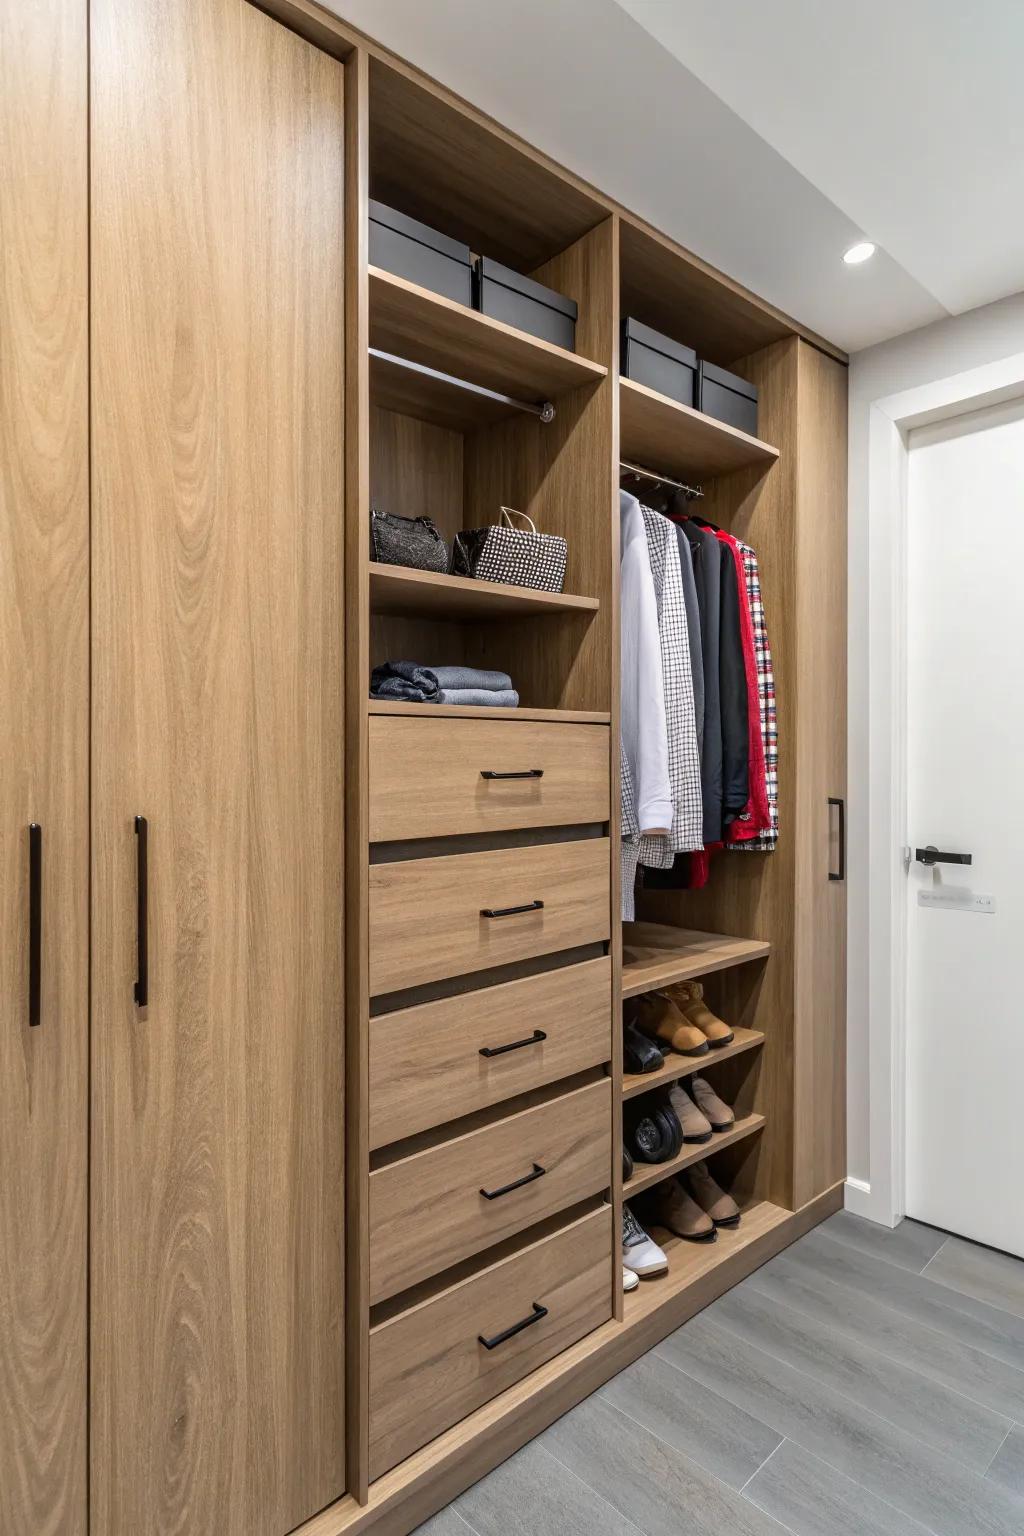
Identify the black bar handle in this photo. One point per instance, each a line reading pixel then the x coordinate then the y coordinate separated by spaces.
pixel 513 1045
pixel 142 910
pixel 35 924
pixel 510 1333
pixel 932 855
pixel 525 773
pixel 839 874
pixel 529 906
pixel 506 1189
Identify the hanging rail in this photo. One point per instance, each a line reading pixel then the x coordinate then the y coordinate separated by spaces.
pixel 693 491
pixel 544 410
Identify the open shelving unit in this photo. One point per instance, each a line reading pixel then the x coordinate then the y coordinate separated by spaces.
pixel 400 589
pixel 655 955
pixel 646 1175
pixel 656 430
pixel 676 1066
pixel 691 1263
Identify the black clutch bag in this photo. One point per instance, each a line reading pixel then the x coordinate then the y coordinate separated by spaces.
pixel 413 541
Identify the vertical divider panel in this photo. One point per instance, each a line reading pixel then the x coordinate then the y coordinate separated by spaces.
pixel 356 788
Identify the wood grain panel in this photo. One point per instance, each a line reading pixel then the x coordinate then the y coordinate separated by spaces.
pixel 428 1367
pixel 426 915
pixel 44 774
pixel 426 1065
pixel 452 755
pixel 218 291
pixel 428 1211
pixel 820 765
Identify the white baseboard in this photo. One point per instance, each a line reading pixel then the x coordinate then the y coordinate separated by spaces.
pixel 857 1198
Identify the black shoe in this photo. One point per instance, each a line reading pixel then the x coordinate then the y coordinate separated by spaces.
pixel 639 1054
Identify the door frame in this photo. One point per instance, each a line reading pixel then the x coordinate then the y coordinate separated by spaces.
pixel 880 715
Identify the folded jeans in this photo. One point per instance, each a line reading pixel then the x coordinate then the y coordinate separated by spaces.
pixel 505 698
pixel 410 680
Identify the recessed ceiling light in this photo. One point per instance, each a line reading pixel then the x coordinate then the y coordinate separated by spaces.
pixel 859 252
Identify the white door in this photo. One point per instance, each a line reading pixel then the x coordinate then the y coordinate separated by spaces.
pixel 965 984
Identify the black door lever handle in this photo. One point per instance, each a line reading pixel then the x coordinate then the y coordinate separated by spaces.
pixel 932 855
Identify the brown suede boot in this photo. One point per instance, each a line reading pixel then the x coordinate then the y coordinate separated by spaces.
pixel 659 1018
pixel 696 1126
pixel 675 1209
pixel 718 1206
pixel 688 997
pixel 715 1110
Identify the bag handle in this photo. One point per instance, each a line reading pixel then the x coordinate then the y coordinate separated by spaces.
pixel 508 513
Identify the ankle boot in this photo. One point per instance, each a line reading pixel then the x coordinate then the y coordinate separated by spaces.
pixel 696 1125
pixel 688 997
pixel 676 1209
pixel 659 1019
pixel 720 1207
pixel 718 1114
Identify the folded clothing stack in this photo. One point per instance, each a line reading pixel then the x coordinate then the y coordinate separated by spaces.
pixel 442 685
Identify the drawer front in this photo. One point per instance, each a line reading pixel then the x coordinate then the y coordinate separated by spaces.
pixel 453 757
pixel 427 1064
pixel 442 1205
pixel 427 915
pixel 428 1366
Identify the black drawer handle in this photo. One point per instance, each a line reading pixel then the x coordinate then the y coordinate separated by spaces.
pixel 840 873
pixel 510 1333
pixel 529 906
pixel 526 773
pixel 35 924
pixel 514 1045
pixel 506 1189
pixel 142 910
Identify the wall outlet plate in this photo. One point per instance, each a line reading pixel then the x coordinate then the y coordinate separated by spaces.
pixel 956 901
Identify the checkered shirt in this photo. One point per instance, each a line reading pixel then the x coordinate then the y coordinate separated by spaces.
pixel 766 841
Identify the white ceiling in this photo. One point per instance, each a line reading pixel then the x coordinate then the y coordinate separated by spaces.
pixel 768 135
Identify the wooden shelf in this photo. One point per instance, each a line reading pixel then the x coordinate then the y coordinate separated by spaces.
pixel 655 956
pixel 647 1174
pixel 659 433
pixel 472 712
pixel 689 1263
pixel 411 322
pixel 676 1066
pixel 398 589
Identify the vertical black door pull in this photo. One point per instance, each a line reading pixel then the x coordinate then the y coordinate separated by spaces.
pixel 142 910
pixel 840 873
pixel 35 924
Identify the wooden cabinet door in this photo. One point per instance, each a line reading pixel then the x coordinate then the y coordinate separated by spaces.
pixel 217 1156
pixel 44 764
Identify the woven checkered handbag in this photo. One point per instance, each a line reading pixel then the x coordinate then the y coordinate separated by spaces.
pixel 509 555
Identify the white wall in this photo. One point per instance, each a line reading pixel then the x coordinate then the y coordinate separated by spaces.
pixel 924 357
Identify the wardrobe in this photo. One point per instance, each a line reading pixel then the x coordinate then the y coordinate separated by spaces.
pixel 311 1081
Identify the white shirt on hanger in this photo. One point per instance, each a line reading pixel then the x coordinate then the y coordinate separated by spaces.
pixel 642 709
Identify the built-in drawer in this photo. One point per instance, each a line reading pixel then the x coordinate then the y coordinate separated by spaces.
pixel 443 1204
pixel 442 778
pixel 432 918
pixel 455 1055
pixel 432 1365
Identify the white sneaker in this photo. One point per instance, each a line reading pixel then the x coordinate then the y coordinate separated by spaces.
pixel 639 1252
pixel 630 1281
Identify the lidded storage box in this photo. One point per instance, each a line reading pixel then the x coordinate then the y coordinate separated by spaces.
pixel 420 254
pixel 648 357
pixel 506 295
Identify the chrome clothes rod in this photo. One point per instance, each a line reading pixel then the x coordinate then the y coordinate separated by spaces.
pixel 544 410
pixel 693 491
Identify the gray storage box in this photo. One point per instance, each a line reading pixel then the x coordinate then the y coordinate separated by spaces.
pixel 506 295
pixel 727 397
pixel 648 357
pixel 414 251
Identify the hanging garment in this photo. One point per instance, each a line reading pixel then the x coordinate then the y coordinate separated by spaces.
pixel 753 819
pixel 733 684
pixel 644 735
pixel 765 842
pixel 707 559
pixel 687 829
pixel 629 833
pixel 692 605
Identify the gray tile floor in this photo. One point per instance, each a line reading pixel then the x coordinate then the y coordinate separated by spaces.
pixel 863 1383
